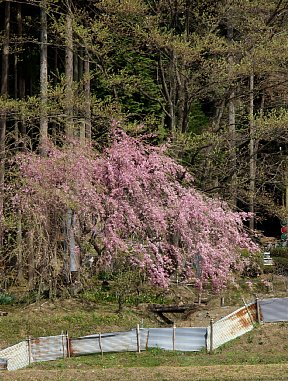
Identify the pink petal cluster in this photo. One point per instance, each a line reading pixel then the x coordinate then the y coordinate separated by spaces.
pixel 134 199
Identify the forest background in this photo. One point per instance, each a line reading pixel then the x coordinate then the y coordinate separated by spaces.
pixel 206 79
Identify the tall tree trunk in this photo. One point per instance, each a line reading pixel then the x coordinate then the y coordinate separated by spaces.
pixel 20 81
pixel 87 97
pixel 168 91
pixel 285 203
pixel 20 131
pixel 43 79
pixel 232 130
pixel 252 153
pixel 69 72
pixel 3 116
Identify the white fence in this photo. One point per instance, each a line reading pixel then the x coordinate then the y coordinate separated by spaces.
pixel 193 339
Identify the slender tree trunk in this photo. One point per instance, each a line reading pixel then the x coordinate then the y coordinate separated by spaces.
pixel 168 91
pixel 286 187
pixel 31 260
pixel 43 80
pixel 232 130
pixel 252 153
pixel 87 96
pixel 173 90
pixel 232 148
pixel 20 132
pixel 3 116
pixel 69 72
pixel 20 80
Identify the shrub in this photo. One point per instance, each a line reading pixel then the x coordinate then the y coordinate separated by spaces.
pixel 6 299
pixel 279 252
pixel 281 264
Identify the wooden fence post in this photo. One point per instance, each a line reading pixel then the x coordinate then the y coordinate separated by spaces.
pixel 222 302
pixel 258 312
pixel 147 340
pixel 29 350
pixel 100 344
pixel 174 336
pixel 211 335
pixel 63 346
pixel 68 345
pixel 138 338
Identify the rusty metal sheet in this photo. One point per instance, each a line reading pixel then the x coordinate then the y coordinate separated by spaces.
pixel 232 326
pixel 48 348
pixel 17 356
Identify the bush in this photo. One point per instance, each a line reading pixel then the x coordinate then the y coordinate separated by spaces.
pixel 269 269
pixel 281 264
pixel 6 299
pixel 279 252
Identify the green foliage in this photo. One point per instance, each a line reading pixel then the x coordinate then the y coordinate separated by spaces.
pixel 253 263
pixel 129 299
pixel 6 299
pixel 279 252
pixel 281 263
pixel 198 121
pixel 269 269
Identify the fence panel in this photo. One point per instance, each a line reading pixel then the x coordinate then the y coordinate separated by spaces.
pixel 232 326
pixel 180 339
pixel 109 342
pixel 48 348
pixel 17 356
pixel 274 310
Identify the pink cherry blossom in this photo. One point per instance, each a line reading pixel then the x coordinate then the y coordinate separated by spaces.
pixel 132 198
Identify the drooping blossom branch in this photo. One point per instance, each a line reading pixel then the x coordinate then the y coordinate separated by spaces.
pixel 134 199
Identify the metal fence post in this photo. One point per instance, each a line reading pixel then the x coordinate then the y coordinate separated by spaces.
pixel 211 335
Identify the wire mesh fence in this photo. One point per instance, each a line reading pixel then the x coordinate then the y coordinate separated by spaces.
pixel 193 339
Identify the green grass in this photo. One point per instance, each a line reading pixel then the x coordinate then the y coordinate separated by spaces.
pixel 73 316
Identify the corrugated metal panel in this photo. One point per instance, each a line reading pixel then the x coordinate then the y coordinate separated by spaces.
pixel 185 339
pixel 190 339
pixel 109 342
pixel 17 356
pixel 48 348
pixel 274 310
pixel 160 338
pixel 3 364
pixel 234 325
